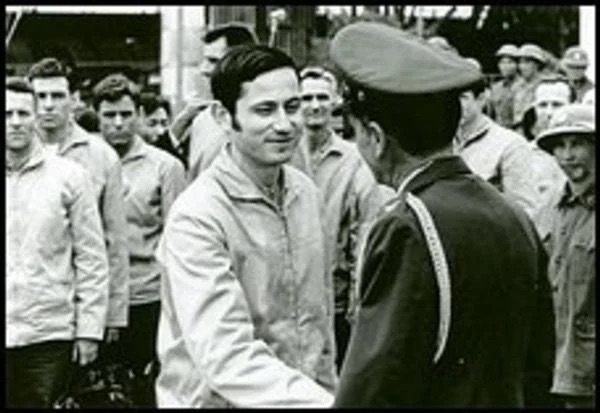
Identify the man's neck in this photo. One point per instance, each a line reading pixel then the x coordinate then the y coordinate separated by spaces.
pixel 317 138
pixel 17 159
pixel 580 188
pixel 265 177
pixel 467 129
pixel 55 136
pixel 123 150
pixel 410 164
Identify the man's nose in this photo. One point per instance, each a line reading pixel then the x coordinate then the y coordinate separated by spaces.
pixel 47 102
pixel 283 123
pixel 118 120
pixel 14 120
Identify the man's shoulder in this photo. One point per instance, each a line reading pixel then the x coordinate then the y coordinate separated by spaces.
pixel 67 170
pixel 505 137
pixel 163 157
pixel 98 147
pixel 203 196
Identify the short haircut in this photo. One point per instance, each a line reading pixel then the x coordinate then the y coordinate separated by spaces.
pixel 477 87
pixel 235 34
pixel 150 102
pixel 50 67
pixel 19 85
pixel 243 64
pixel 408 118
pixel 318 72
pixel 113 87
pixel 551 78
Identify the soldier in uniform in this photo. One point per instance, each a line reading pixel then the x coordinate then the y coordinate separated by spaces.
pixel 531 62
pixel 567 225
pixel 455 307
pixel 503 91
pixel 575 62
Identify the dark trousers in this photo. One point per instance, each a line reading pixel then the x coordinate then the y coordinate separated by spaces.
pixel 136 349
pixel 342 336
pixel 36 374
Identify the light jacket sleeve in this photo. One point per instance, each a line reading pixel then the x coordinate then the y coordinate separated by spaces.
pixel 115 226
pixel 517 174
pixel 89 259
pixel 171 185
pixel 215 320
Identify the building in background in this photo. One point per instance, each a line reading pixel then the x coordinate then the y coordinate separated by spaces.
pixel 161 46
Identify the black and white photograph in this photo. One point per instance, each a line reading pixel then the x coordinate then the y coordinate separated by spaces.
pixel 300 206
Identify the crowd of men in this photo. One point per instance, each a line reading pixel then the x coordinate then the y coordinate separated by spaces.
pixel 248 252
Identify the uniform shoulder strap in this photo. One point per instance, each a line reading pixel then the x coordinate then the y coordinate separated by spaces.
pixel 440 267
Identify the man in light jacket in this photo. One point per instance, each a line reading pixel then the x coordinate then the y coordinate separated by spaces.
pixel 247 308
pixel 60 134
pixel 56 265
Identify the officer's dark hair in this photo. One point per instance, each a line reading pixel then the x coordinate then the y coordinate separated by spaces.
pixel 243 64
pixel 50 67
pixel 552 78
pixel 478 87
pixel 235 34
pixel 19 85
pixel 150 102
pixel 421 124
pixel 113 87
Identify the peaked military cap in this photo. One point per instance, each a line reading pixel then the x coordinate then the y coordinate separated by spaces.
pixel 509 50
pixel 575 56
pixel 387 59
pixel 532 51
pixel 576 118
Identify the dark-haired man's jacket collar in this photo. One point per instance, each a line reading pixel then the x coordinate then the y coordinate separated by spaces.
pixel 436 170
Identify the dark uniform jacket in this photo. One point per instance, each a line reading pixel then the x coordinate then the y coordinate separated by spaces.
pixel 500 345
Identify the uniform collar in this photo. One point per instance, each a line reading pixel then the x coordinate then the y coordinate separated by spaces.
pixel 36 157
pixel 440 168
pixel 138 149
pixel 476 131
pixel 76 135
pixel 569 198
pixel 238 185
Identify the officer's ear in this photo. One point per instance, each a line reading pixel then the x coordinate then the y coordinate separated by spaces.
pixel 222 116
pixel 377 138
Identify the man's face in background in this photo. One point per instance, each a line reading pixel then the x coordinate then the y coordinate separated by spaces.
pixel 212 54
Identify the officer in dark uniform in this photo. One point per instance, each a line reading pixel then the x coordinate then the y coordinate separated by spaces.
pixel 455 307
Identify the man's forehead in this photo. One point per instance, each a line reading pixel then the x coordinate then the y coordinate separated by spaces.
pixel 316 84
pixel 278 84
pixel 552 90
pixel 48 83
pixel 124 103
pixel 18 98
pixel 217 49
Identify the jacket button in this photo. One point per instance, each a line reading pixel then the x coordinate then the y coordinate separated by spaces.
pixel 460 361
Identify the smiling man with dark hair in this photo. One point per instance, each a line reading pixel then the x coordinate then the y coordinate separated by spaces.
pixel 247 300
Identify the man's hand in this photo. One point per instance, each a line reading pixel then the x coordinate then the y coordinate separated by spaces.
pixel 85 351
pixel 112 335
pixel 184 119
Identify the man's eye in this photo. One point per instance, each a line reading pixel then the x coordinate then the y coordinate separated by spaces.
pixel 109 114
pixel 58 95
pixel 322 98
pixel 264 110
pixel 292 107
pixel 307 98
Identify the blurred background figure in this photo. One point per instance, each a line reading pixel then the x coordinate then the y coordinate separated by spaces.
pixel 532 60
pixel 503 91
pixel 575 63
pixel 154 121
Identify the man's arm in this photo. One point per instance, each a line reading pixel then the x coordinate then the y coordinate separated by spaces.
pixel 91 268
pixel 393 342
pixel 216 324
pixel 518 173
pixel 172 184
pixel 115 227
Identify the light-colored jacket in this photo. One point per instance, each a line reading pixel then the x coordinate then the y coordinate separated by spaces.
pixel 152 179
pixel 352 198
pixel 247 308
pixel 206 140
pixel 56 266
pixel 503 158
pixel 102 162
